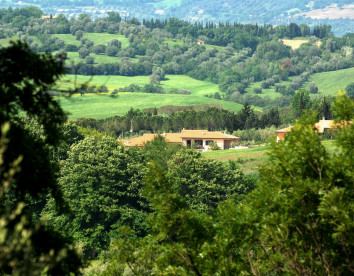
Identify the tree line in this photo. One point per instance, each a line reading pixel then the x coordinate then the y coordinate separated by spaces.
pixel 211 118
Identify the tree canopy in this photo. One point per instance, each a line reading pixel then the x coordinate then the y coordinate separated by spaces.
pixel 26 172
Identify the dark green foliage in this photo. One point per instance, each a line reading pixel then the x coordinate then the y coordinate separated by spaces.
pixel 350 90
pixel 83 52
pixel 101 181
pixel 160 152
pixel 203 183
pixel 300 102
pixel 26 171
pixel 177 118
pixel 272 50
pixel 297 220
pixel 25 79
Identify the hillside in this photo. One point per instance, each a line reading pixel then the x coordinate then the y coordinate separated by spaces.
pixel 253 11
pixel 157 63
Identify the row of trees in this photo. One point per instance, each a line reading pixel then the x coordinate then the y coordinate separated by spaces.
pixel 211 118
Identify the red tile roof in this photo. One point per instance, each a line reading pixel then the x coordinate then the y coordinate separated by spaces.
pixel 148 137
pixel 205 134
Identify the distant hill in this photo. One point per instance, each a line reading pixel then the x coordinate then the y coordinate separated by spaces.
pixel 338 13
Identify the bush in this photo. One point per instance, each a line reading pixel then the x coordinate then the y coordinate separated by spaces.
pixel 214 146
pixel 265 84
pixel 313 88
pixel 99 49
pixel 89 60
pixel 279 88
pixel 112 51
pixel 83 52
pixel 70 48
pixel 257 90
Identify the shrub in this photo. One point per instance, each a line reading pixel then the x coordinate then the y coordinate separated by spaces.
pixel 70 48
pixel 83 52
pixel 313 88
pixel 89 60
pixel 257 90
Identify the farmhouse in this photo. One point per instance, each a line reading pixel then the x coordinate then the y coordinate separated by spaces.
pixel 322 126
pixel 200 42
pixel 201 139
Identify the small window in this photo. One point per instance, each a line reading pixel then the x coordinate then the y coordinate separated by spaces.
pixel 208 142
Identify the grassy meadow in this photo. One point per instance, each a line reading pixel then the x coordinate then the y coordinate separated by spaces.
pixel 269 92
pixel 97 38
pixel 330 82
pixel 197 87
pixel 250 159
pixel 103 105
pixel 5 42
pixel 73 57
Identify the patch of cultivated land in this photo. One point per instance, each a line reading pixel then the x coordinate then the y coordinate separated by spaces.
pixel 330 82
pixel 103 106
pixel 250 159
pixel 196 87
pixel 296 43
pixel 5 42
pixel 97 38
pixel 330 12
pixel 73 57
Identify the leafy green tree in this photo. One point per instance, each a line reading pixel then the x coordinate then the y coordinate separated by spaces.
pixel 84 52
pixel 205 182
pixel 158 74
pixel 112 51
pixel 26 173
pixel 300 102
pixel 79 34
pixel 113 17
pixel 101 181
pixel 160 152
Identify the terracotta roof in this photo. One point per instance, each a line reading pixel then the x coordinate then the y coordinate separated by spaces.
pixel 206 134
pixel 148 137
pixel 172 137
pixel 320 126
pixel 284 130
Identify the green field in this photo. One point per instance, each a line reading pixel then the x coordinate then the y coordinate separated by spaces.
pixel 102 106
pixel 250 159
pixel 4 42
pixel 196 87
pixel 73 57
pixel 97 38
pixel 330 82
pixel 270 92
